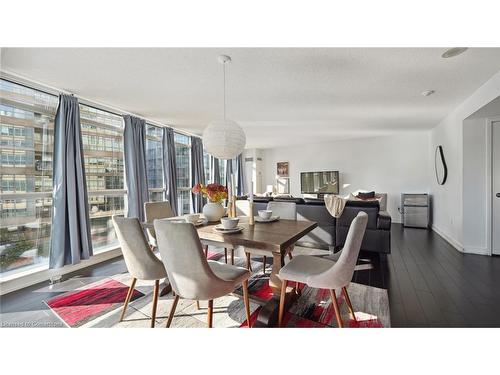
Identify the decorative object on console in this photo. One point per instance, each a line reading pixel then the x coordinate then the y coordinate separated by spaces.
pixel 440 166
pixel 282 169
pixel 224 138
pixel 215 193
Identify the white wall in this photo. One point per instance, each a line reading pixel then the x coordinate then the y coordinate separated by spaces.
pixel 391 164
pixel 448 198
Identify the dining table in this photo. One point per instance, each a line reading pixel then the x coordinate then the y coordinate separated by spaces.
pixel 274 237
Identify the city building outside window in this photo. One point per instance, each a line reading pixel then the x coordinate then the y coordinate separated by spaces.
pixel 102 137
pixel 183 161
pixel 154 163
pixel 26 142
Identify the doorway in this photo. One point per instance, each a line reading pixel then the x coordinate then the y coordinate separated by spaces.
pixel 495 209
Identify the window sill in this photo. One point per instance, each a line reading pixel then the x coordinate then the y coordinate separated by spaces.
pixel 40 274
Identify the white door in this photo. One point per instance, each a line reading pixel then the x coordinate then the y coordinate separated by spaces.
pixel 496 189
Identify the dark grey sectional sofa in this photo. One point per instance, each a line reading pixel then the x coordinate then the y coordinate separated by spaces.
pixel 331 233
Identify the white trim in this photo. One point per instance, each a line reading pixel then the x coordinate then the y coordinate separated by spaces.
pixel 477 250
pixel 38 276
pixel 457 245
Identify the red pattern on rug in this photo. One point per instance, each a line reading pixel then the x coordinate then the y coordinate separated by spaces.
pixel 80 306
pixel 320 315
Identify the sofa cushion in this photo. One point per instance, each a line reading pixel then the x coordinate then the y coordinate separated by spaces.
pixel 289 199
pixel 366 195
pixel 314 201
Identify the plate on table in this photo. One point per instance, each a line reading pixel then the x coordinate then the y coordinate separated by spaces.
pixel 199 222
pixel 220 229
pixel 270 220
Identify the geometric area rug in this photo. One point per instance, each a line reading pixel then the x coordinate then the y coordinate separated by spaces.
pixel 77 307
pixel 100 304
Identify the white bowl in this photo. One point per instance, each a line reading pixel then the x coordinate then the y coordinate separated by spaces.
pixel 265 214
pixel 192 218
pixel 229 222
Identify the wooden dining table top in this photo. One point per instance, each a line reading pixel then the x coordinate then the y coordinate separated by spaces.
pixel 275 236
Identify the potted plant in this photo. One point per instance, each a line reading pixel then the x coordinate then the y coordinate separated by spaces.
pixel 215 193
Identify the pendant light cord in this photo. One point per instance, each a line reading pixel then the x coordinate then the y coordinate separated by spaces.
pixel 224 75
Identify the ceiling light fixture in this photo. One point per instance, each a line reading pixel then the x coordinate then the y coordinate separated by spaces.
pixel 452 52
pixel 224 138
pixel 428 92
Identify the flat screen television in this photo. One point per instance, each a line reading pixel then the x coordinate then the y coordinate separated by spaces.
pixel 319 182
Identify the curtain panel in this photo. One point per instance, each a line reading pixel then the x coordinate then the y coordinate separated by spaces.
pixel 70 231
pixel 134 144
pixel 240 175
pixel 197 171
pixel 170 168
pixel 215 170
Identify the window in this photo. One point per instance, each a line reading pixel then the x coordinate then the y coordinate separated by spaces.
pixel 183 161
pixel 26 142
pixel 154 163
pixel 102 137
pixel 208 168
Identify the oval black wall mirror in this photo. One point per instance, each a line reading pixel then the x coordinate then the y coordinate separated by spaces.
pixel 440 166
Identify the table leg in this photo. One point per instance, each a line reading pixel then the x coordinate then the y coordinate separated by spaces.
pixel 268 315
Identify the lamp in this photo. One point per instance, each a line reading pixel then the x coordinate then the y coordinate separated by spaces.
pixel 224 139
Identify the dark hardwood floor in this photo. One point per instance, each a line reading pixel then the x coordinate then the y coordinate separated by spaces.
pixel 430 284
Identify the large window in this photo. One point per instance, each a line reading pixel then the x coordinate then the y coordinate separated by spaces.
pixel 183 161
pixel 26 142
pixel 208 168
pixel 102 136
pixel 154 163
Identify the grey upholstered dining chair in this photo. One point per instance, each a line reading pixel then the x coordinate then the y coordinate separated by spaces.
pixel 141 262
pixel 285 210
pixel 191 275
pixel 324 273
pixel 153 211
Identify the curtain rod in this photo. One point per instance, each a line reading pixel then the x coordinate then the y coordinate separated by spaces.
pixel 54 91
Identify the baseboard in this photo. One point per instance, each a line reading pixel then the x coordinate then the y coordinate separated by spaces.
pixel 24 281
pixel 457 245
pixel 476 250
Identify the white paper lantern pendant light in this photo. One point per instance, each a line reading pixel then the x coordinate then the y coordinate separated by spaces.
pixel 224 139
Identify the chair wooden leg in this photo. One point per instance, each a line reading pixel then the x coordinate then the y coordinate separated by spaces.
pixel 172 311
pixel 225 254
pixel 127 299
pixel 249 264
pixel 210 313
pixel 155 302
pixel 264 265
pixel 197 304
pixel 336 308
pixel 290 256
pixel 282 303
pixel 232 256
pixel 297 290
pixel 205 249
pixel 247 301
pixel 349 304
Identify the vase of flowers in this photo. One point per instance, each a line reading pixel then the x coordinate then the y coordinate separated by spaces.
pixel 215 193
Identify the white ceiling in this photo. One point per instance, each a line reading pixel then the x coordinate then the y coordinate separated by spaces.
pixel 279 95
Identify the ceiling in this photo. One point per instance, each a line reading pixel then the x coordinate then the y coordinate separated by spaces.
pixel 280 96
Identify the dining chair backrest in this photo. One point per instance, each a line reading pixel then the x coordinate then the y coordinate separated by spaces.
pixel 186 264
pixel 140 260
pixel 341 273
pixel 285 210
pixel 156 210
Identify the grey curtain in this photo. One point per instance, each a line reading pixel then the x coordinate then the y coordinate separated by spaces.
pixel 70 232
pixel 170 168
pixel 240 175
pixel 215 170
pixel 197 172
pixel 134 144
pixel 229 172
